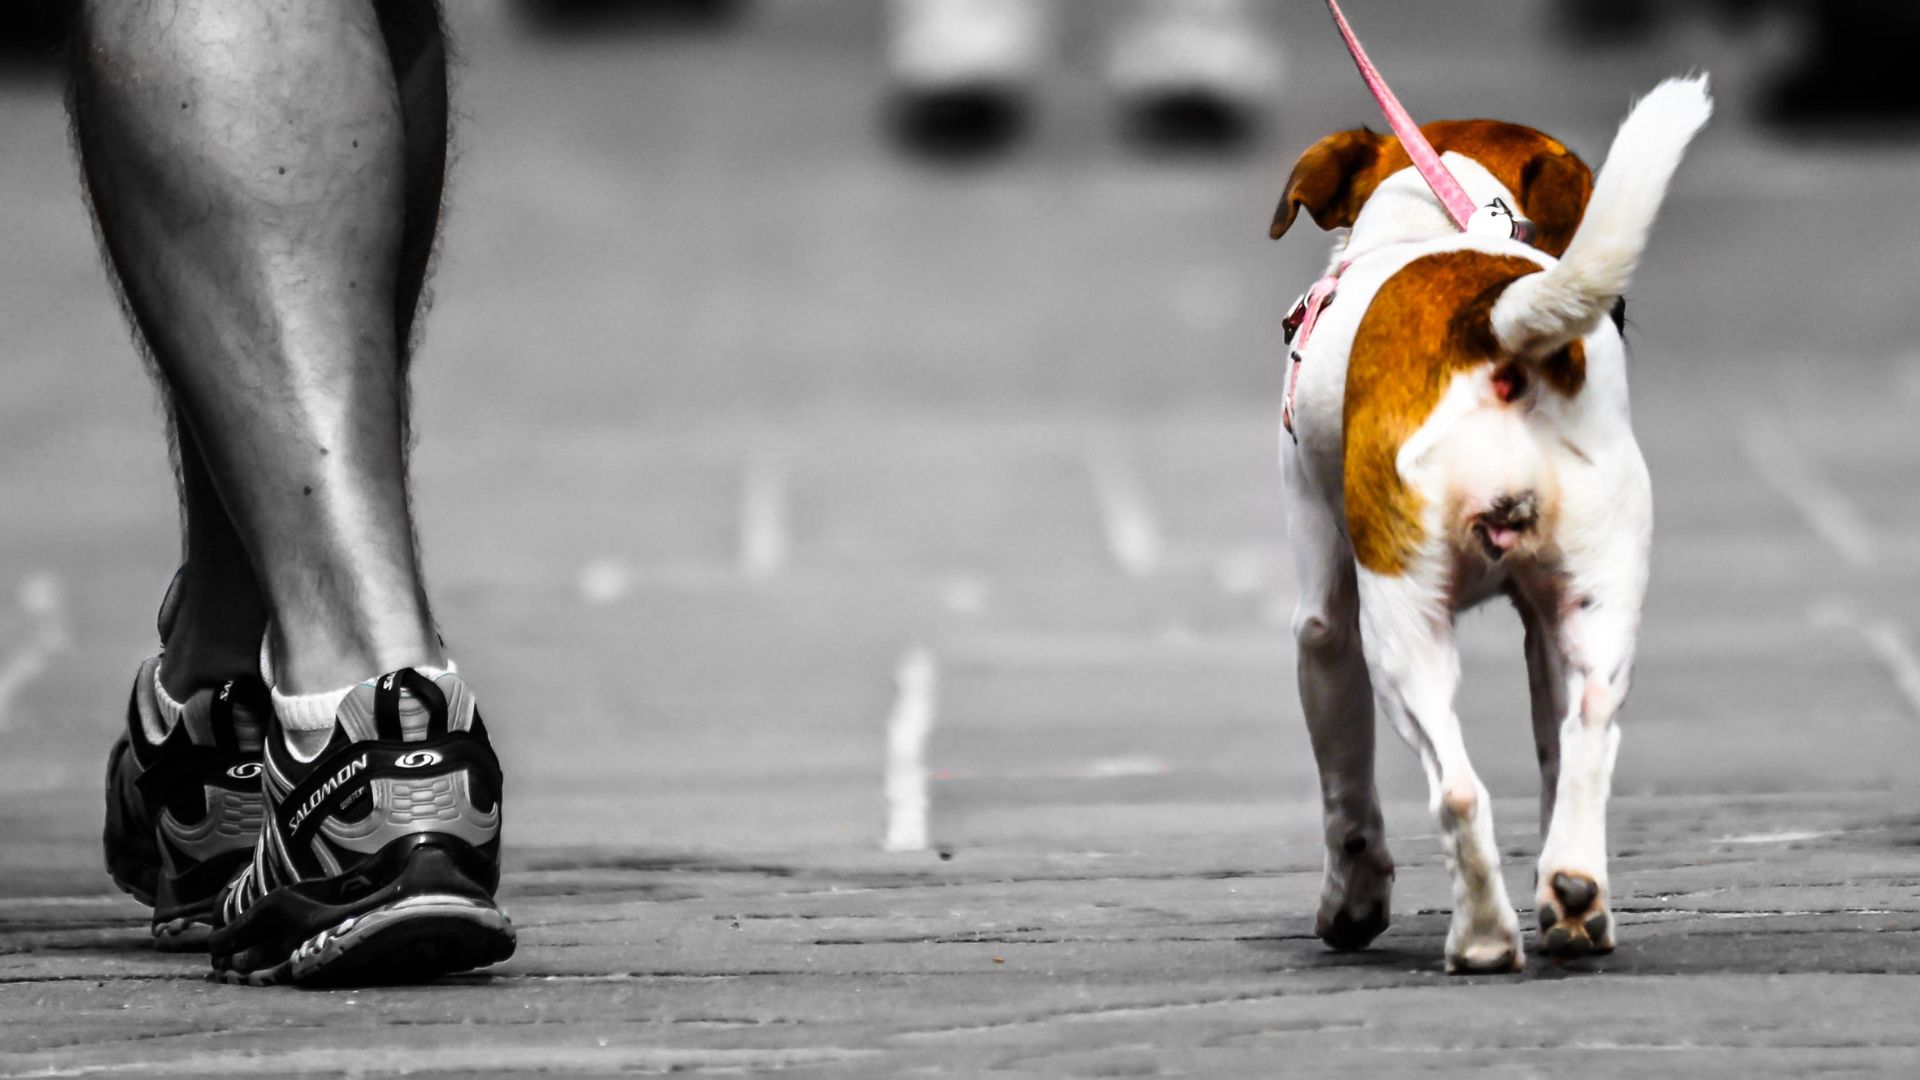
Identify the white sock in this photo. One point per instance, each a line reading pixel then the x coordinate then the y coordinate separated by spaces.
pixel 308 718
pixel 309 712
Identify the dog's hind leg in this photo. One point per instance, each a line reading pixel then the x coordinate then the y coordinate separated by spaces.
pixel 1406 625
pixel 1356 893
pixel 1593 632
pixel 1547 688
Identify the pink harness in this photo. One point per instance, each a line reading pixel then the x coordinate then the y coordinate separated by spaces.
pixel 1453 198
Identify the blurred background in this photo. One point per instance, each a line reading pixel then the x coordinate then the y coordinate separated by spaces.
pixel 773 340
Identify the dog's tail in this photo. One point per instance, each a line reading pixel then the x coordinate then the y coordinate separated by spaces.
pixel 1541 312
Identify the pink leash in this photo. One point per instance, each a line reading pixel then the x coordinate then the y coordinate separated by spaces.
pixel 1453 197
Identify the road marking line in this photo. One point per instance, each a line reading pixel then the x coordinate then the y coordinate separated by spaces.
pixel 1116 768
pixel 1790 836
pixel 1786 468
pixel 764 537
pixel 1887 641
pixel 43 601
pixel 1126 517
pixel 908 728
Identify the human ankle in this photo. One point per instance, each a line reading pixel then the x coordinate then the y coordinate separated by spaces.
pixel 296 664
pixel 307 720
pixel 191 666
pixel 207 643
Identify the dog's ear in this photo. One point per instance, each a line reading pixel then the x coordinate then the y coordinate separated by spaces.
pixel 1554 188
pixel 1332 180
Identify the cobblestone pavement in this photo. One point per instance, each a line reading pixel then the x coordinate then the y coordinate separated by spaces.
pixel 747 445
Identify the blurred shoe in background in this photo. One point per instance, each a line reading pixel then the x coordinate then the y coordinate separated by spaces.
pixel 595 18
pixel 1607 21
pixel 1852 75
pixel 1857 72
pixel 33 33
pixel 1194 73
pixel 963 71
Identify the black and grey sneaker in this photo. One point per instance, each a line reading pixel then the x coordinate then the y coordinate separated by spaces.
pixel 380 852
pixel 184 808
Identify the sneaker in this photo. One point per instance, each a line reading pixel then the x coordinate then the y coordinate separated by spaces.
pixel 184 808
pixel 380 852
pixel 1194 71
pixel 963 71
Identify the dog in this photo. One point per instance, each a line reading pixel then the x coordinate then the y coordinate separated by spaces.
pixel 1459 430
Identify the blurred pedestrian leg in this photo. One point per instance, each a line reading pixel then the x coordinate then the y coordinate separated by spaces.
pixel 963 72
pixel 1194 71
pixel 1856 73
pixel 966 74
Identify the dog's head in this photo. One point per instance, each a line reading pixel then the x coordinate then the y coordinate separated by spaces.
pixel 1338 174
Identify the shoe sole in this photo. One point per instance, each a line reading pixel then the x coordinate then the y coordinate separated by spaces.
pixel 186 931
pixel 415 939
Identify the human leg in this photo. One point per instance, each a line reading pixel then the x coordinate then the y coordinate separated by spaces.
pixel 267 181
pixel 247 163
pixel 215 614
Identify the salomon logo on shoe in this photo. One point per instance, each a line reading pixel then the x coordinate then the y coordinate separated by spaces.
pixel 332 784
pixel 418 759
pixel 246 770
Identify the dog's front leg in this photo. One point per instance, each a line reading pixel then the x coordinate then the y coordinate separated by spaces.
pixel 1356 889
pixel 1407 630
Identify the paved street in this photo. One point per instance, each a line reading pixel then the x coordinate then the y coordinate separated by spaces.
pixel 760 465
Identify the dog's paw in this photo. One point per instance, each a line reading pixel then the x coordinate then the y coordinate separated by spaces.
pixel 1355 900
pixel 1493 957
pixel 1487 944
pixel 1344 931
pixel 1574 921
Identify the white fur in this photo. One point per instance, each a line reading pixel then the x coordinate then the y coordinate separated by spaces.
pixel 1541 312
pixel 1376 643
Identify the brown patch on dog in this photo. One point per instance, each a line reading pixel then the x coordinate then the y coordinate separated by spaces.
pixel 1427 323
pixel 1566 369
pixel 1551 181
pixel 1337 175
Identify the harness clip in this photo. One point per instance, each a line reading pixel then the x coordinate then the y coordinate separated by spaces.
pixel 1291 324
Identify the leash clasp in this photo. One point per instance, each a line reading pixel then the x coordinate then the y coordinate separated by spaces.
pixel 1498 219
